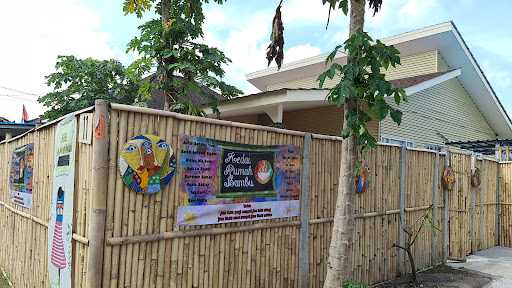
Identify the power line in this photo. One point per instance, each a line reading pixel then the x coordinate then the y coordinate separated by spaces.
pixel 18 97
pixel 20 91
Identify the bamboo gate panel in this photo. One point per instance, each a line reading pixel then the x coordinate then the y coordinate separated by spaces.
pixel 23 252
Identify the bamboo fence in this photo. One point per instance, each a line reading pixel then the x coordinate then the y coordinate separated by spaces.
pixel 24 248
pixel 143 246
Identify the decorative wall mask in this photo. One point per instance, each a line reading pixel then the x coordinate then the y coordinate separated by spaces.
pixel 475 178
pixel 448 179
pixel 147 163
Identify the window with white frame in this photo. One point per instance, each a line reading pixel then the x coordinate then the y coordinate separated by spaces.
pixel 433 147
pixel 397 140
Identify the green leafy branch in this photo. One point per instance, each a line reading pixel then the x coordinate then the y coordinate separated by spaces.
pixel 362 84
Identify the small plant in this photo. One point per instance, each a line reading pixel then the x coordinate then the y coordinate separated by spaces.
pixel 412 236
pixel 5 281
pixel 353 284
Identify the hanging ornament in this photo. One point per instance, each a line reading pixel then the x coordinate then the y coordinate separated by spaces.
pixel 361 178
pixel 448 179
pixel 475 178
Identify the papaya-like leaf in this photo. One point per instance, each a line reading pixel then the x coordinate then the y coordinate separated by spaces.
pixel 275 48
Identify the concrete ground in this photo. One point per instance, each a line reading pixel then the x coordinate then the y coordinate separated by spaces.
pixel 496 261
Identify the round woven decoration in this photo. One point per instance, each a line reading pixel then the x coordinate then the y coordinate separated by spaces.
pixel 147 163
pixel 475 178
pixel 448 179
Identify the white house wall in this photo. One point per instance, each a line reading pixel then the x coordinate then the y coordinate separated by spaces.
pixel 445 109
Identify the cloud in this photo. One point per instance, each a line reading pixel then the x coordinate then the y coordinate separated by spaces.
pixel 416 8
pixel 300 52
pixel 306 11
pixel 34 37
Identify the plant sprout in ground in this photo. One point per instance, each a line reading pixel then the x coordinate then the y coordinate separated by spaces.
pixel 412 235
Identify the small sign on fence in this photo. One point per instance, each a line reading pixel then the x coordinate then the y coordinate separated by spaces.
pixel 224 182
pixel 20 175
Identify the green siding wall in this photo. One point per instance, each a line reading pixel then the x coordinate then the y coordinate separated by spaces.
pixel 413 65
pixel 445 110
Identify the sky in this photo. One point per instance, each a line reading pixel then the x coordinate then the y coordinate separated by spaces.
pixel 34 33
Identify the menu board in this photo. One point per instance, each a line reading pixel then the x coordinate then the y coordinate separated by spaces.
pixel 224 182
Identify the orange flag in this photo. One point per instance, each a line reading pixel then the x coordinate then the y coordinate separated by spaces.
pixel 24 116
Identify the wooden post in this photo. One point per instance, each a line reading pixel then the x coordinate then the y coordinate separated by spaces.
pixel 498 206
pixel 445 212
pixel 98 194
pixel 304 214
pixel 401 234
pixel 435 184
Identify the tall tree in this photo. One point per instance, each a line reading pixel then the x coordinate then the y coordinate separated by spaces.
pixel 77 83
pixel 172 45
pixel 361 91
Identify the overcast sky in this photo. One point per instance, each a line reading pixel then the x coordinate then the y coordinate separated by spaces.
pixel 35 32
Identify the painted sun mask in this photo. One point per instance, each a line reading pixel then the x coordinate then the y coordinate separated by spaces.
pixel 147 163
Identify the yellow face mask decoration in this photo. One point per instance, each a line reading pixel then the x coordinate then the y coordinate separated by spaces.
pixel 147 163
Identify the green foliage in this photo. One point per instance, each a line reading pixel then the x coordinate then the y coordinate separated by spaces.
pixel 77 83
pixel 363 85
pixel 353 284
pixel 375 5
pixel 172 48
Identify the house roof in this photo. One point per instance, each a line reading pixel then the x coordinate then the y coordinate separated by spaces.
pixel 443 37
pixel 288 99
pixel 411 81
pixel 158 97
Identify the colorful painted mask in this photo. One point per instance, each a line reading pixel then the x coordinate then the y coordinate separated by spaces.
pixel 147 163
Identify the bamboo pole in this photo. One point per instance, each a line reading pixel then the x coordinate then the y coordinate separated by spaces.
pixel 445 211
pixel 304 216
pixel 472 207
pixel 434 209
pixel 498 207
pixel 98 195
pixel 402 201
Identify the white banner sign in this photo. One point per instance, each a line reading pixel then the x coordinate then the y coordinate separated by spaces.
pixel 238 212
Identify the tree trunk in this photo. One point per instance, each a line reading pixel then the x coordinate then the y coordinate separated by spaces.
pixel 166 11
pixel 339 265
pixel 413 265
